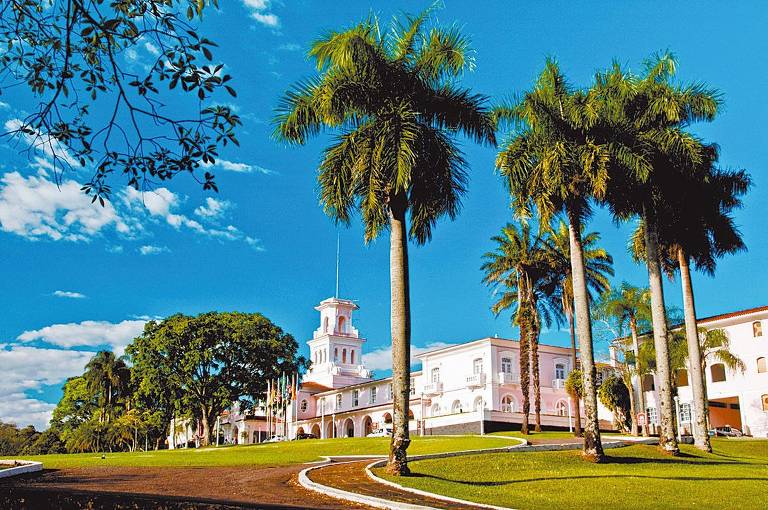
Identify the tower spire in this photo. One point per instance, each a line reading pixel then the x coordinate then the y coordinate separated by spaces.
pixel 337 265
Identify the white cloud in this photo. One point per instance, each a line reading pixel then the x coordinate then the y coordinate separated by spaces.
pixel 36 208
pixel 114 248
pixel 4 106
pixel 149 249
pixel 259 10
pixel 160 204
pixel 131 55
pixel 289 47
pixel 152 49
pixel 381 359
pixel 68 294
pixel 213 208
pixel 243 168
pixel 87 333
pixel 27 369
pixel 50 146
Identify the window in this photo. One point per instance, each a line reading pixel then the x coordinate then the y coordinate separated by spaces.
pixel 507 404
pixel 478 404
pixel 456 407
pixel 561 408
pixel 477 366
pixel 757 329
pixel 764 398
pixel 413 386
pixel 436 374
pixel 436 410
pixel 342 324
pixel 343 355
pixel 559 371
pixel 681 377
pixel 391 391
pixel 718 372
pixel 352 357
pixel 325 325
pixel 685 413
pixel 506 365
pixel 355 398
pixel 373 395
pixel 335 354
pixel 653 417
pixel 303 405
pixel 322 405
pixel 338 401
pixel 762 367
pixel 599 377
pixel 648 384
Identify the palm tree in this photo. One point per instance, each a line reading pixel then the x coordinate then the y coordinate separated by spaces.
pixel 629 306
pixel 107 376
pixel 519 269
pixel 648 115
pixel 716 346
pixel 555 163
pixel 598 267
pixel 392 99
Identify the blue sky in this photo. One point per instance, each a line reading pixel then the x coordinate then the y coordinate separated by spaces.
pixel 263 243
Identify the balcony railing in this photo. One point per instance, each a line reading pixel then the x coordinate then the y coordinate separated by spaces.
pixel 433 388
pixel 558 384
pixel 509 378
pixel 476 380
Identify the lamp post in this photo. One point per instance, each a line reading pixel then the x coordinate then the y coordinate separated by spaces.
pixel 482 416
pixel 570 416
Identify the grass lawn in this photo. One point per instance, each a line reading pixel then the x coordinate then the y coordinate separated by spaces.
pixel 292 452
pixel 734 476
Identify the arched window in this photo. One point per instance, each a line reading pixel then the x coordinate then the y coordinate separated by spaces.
pixel 343 355
pixel 764 398
pixel 648 383
pixel 342 324
pixel 335 354
pixel 304 405
pixel 508 404
pixel 338 401
pixel 718 372
pixel 559 371
pixel 352 357
pixel 436 410
pixel 478 404
pixel 682 377
pixel 561 408
pixel 762 367
pixel 325 325
pixel 757 329
pixel 456 407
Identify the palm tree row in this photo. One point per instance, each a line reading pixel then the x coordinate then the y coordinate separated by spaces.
pixel 393 101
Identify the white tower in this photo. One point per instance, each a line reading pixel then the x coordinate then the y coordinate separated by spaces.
pixel 336 349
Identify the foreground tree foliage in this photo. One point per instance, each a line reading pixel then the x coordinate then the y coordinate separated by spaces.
pixel 88 108
pixel 392 99
pixel 207 362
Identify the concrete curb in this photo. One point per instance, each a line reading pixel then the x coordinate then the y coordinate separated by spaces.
pixel 27 466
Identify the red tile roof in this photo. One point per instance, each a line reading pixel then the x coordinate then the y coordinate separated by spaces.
pixel 314 387
pixel 733 314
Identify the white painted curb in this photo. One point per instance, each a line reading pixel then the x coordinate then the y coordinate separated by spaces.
pixel 27 466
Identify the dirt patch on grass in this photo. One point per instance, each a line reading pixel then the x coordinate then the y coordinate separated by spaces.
pixel 154 487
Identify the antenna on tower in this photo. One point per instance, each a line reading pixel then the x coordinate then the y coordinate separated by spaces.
pixel 337 266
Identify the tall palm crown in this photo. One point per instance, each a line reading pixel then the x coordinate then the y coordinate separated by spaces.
pixel 391 97
pixel 107 376
pixel 625 304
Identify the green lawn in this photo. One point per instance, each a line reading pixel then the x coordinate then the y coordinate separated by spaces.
pixel 734 476
pixel 292 452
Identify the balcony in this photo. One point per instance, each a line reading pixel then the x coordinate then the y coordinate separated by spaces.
pixel 558 384
pixel 476 380
pixel 509 378
pixel 433 388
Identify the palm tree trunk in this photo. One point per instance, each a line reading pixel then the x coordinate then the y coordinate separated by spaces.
pixel 667 439
pixel 700 435
pixel 534 347
pixel 593 448
pixel 525 367
pixel 632 406
pixel 641 393
pixel 576 400
pixel 400 320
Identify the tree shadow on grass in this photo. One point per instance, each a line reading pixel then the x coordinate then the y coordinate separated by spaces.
pixel 501 483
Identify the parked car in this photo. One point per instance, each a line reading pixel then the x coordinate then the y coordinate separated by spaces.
pixel 726 431
pixel 383 432
pixel 305 436
pixel 275 439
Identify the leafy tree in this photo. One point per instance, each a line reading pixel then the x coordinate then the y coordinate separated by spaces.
pixel 556 161
pixel 615 395
pixel 574 384
pixel 89 109
pixel 598 266
pixel 14 440
pixel 107 377
pixel 47 442
pixel 75 408
pixel 209 361
pixel 392 99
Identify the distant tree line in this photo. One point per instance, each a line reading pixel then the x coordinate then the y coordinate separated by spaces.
pixel 188 367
